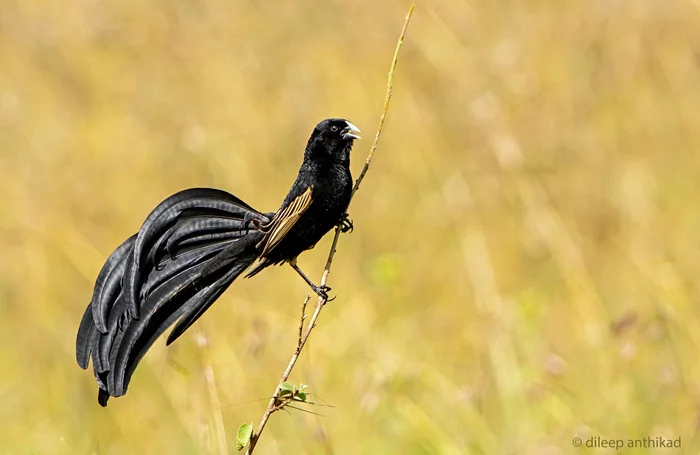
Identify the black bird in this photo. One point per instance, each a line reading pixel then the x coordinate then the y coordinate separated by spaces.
pixel 194 244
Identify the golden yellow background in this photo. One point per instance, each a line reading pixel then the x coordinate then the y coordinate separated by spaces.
pixel 524 267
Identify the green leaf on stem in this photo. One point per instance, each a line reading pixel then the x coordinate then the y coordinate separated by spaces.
pixel 245 432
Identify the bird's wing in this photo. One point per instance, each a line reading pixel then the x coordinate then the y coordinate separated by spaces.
pixel 189 250
pixel 283 221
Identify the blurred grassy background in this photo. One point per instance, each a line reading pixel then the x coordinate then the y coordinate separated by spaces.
pixel 523 267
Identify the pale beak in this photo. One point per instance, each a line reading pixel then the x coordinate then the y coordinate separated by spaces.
pixel 351 132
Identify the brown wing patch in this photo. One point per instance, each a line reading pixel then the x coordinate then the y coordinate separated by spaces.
pixel 283 221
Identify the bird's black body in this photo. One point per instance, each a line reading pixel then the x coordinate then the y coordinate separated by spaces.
pixel 194 245
pixel 327 173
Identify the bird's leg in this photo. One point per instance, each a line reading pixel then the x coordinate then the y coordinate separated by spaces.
pixel 322 291
pixel 345 223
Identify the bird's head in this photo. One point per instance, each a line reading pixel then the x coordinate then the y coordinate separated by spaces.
pixel 332 139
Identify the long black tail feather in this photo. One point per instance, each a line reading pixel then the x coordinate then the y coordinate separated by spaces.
pixel 188 251
pixel 107 288
pixel 203 202
pixel 109 282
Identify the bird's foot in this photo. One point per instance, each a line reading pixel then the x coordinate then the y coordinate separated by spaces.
pixel 345 224
pixel 322 292
pixel 256 220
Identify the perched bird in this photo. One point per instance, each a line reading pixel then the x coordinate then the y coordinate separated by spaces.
pixel 194 244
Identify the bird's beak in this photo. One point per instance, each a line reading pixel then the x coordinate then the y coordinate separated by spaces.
pixel 351 131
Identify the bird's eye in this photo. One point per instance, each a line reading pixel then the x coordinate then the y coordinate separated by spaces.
pixel 334 129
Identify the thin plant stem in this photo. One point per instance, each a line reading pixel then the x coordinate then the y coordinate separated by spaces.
pixel 275 403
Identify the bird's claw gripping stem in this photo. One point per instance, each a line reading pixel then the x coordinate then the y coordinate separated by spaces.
pixel 256 220
pixel 322 292
pixel 345 224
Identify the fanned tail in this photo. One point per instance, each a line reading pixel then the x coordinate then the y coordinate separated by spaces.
pixel 188 251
